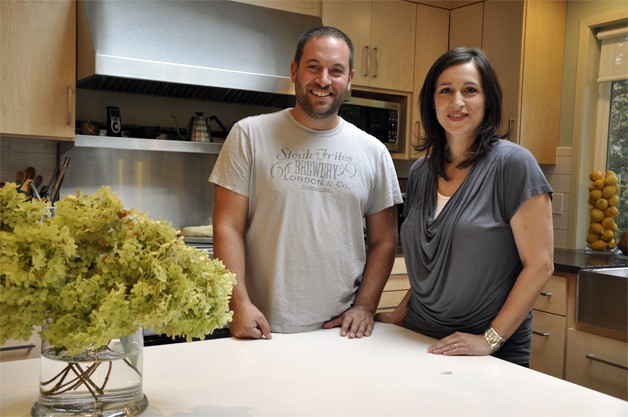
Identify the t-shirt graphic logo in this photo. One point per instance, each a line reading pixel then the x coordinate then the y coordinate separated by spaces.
pixel 319 170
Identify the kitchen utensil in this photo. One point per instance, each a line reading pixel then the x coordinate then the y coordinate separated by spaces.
pixel 37 180
pixel 34 192
pixel 45 190
pixel 199 129
pixel 20 177
pixel 55 191
pixel 30 173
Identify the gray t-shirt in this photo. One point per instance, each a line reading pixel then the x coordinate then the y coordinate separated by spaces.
pixel 308 193
pixel 463 264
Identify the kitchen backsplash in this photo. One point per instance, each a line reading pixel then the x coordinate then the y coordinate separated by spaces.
pixel 18 154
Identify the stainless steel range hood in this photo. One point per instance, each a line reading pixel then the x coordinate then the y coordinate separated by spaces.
pixel 216 50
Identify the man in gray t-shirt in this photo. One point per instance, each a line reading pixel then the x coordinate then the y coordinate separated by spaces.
pixel 294 191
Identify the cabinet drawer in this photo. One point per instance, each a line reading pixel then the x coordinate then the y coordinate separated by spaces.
pixel 598 363
pixel 390 300
pixel 399 267
pixel 548 344
pixel 553 298
pixel 397 282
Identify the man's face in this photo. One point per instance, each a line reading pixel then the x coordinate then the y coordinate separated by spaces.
pixel 321 80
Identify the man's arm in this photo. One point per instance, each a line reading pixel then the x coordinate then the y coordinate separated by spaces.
pixel 381 232
pixel 230 212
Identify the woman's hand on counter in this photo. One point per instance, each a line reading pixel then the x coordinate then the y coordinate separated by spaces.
pixel 461 344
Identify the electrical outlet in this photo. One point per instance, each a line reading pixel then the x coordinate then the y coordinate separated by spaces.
pixel 557 203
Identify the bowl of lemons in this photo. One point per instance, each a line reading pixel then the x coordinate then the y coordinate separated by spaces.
pixel 603 233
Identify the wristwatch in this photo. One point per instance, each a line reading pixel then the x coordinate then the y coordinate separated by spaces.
pixel 494 340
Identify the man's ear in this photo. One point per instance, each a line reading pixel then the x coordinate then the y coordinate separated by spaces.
pixel 351 74
pixel 293 70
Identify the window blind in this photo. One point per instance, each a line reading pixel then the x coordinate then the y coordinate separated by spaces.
pixel 613 54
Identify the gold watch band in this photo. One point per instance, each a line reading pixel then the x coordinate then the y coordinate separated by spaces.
pixel 494 340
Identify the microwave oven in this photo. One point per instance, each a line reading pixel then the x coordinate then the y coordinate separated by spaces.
pixel 379 118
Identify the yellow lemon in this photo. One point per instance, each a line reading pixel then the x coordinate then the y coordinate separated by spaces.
pixel 601 204
pixel 611 244
pixel 610 178
pixel 598 245
pixel 592 238
pixel 592 201
pixel 609 191
pixel 597 215
pixel 596 228
pixel 611 212
pixel 599 184
pixel 591 187
pixel 595 175
pixel 609 223
pixel 595 194
pixel 613 200
pixel 608 235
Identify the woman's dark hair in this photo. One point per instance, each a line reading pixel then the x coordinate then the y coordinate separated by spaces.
pixel 435 144
pixel 323 31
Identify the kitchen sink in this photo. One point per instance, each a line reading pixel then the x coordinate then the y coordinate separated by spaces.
pixel 602 298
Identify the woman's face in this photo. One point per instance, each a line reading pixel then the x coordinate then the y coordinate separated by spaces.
pixel 459 101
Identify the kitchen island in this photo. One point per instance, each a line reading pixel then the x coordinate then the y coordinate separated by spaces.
pixel 322 374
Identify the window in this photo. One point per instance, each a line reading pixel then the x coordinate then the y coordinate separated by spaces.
pixel 612 131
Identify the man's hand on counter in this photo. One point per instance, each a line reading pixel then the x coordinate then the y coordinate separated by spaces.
pixel 356 322
pixel 250 323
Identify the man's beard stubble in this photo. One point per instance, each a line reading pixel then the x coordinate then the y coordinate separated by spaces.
pixel 302 98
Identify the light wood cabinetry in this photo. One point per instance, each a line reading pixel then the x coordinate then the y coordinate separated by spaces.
pixel 383 54
pixel 524 39
pixel 431 42
pixel 310 7
pixel 549 327
pixel 38 68
pixel 598 363
pixel 465 27
pixel 396 287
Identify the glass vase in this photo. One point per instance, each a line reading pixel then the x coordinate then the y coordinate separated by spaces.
pixel 103 382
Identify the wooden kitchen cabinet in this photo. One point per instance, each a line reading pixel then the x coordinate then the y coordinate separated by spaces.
pixel 38 68
pixel 383 38
pixel 430 43
pixel 310 7
pixel 524 40
pixel 598 363
pixel 549 327
pixel 465 27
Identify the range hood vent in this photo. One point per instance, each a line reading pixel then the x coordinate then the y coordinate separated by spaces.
pixel 211 50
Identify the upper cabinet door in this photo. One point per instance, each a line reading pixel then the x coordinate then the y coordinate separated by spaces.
pixel 383 38
pixel 465 28
pixel 38 68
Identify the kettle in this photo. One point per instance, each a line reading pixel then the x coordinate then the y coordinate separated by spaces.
pixel 199 129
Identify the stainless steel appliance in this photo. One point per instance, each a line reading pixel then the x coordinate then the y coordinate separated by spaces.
pixel 379 118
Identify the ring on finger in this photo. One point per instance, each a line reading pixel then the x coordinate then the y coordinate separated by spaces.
pixel 455 345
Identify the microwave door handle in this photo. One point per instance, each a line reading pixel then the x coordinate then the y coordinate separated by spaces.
pixel 366 61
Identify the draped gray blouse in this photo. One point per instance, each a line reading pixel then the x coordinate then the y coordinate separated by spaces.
pixel 463 264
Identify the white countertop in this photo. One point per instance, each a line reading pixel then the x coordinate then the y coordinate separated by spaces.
pixel 322 374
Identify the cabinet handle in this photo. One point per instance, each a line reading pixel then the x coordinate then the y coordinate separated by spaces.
pixel 546 294
pixel 69 121
pixel 376 51
pixel 540 333
pixel 366 61
pixel 5 349
pixel 605 362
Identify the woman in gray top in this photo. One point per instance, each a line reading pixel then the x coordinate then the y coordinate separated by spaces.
pixel 477 236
